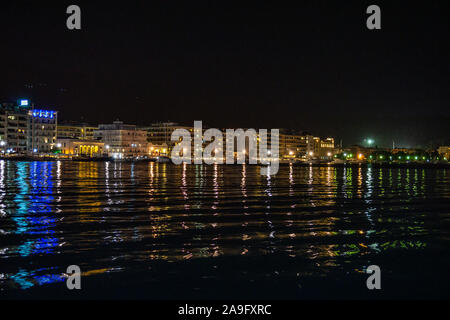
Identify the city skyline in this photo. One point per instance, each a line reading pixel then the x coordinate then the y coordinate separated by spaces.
pixel 361 141
pixel 237 66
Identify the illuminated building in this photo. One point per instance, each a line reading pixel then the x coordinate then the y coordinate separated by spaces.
pixel 292 144
pixel 319 148
pixel 42 130
pixel 161 132
pixel 24 129
pixel 80 148
pixel 326 149
pixel 156 150
pixel 14 123
pixel 76 130
pixel 123 140
pixel 444 151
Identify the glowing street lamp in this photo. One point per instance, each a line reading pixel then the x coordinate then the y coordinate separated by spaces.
pixel 369 141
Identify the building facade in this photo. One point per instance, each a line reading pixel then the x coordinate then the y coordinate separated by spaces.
pixel 444 151
pixel 25 129
pixel 123 141
pixel 77 131
pixel 160 133
pixel 80 148
pixel 42 130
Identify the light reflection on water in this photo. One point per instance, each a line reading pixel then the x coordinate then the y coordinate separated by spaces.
pixel 216 222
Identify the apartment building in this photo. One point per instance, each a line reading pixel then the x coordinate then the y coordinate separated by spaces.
pixel 123 141
pixel 26 129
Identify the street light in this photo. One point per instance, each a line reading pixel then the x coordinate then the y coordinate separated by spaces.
pixel 370 141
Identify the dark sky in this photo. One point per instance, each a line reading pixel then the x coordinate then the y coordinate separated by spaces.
pixel 310 65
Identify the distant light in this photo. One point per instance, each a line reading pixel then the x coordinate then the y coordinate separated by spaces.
pixel 23 103
pixel 107 146
pixel 329 154
pixel 291 153
pixel 2 143
pixel 58 145
pixel 34 150
pixel 311 153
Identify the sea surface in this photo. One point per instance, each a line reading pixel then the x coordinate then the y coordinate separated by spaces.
pixel 163 231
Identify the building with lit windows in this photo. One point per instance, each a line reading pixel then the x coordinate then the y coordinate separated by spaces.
pixel 161 132
pixel 76 130
pixel 123 141
pixel 326 149
pixel 25 129
pixel 80 148
pixel 42 130
pixel 292 144
pixel 444 151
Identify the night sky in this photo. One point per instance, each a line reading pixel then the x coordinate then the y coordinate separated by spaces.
pixel 312 65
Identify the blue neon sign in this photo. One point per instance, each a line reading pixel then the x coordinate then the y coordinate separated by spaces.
pixel 44 114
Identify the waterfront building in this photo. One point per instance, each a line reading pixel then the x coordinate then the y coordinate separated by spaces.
pixel 326 149
pixel 14 123
pixel 292 144
pixel 319 148
pixel 123 140
pixel 25 129
pixel 444 151
pixel 157 150
pixel 76 130
pixel 160 133
pixel 80 147
pixel 42 132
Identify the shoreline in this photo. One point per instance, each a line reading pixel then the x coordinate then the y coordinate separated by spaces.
pixel 294 163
